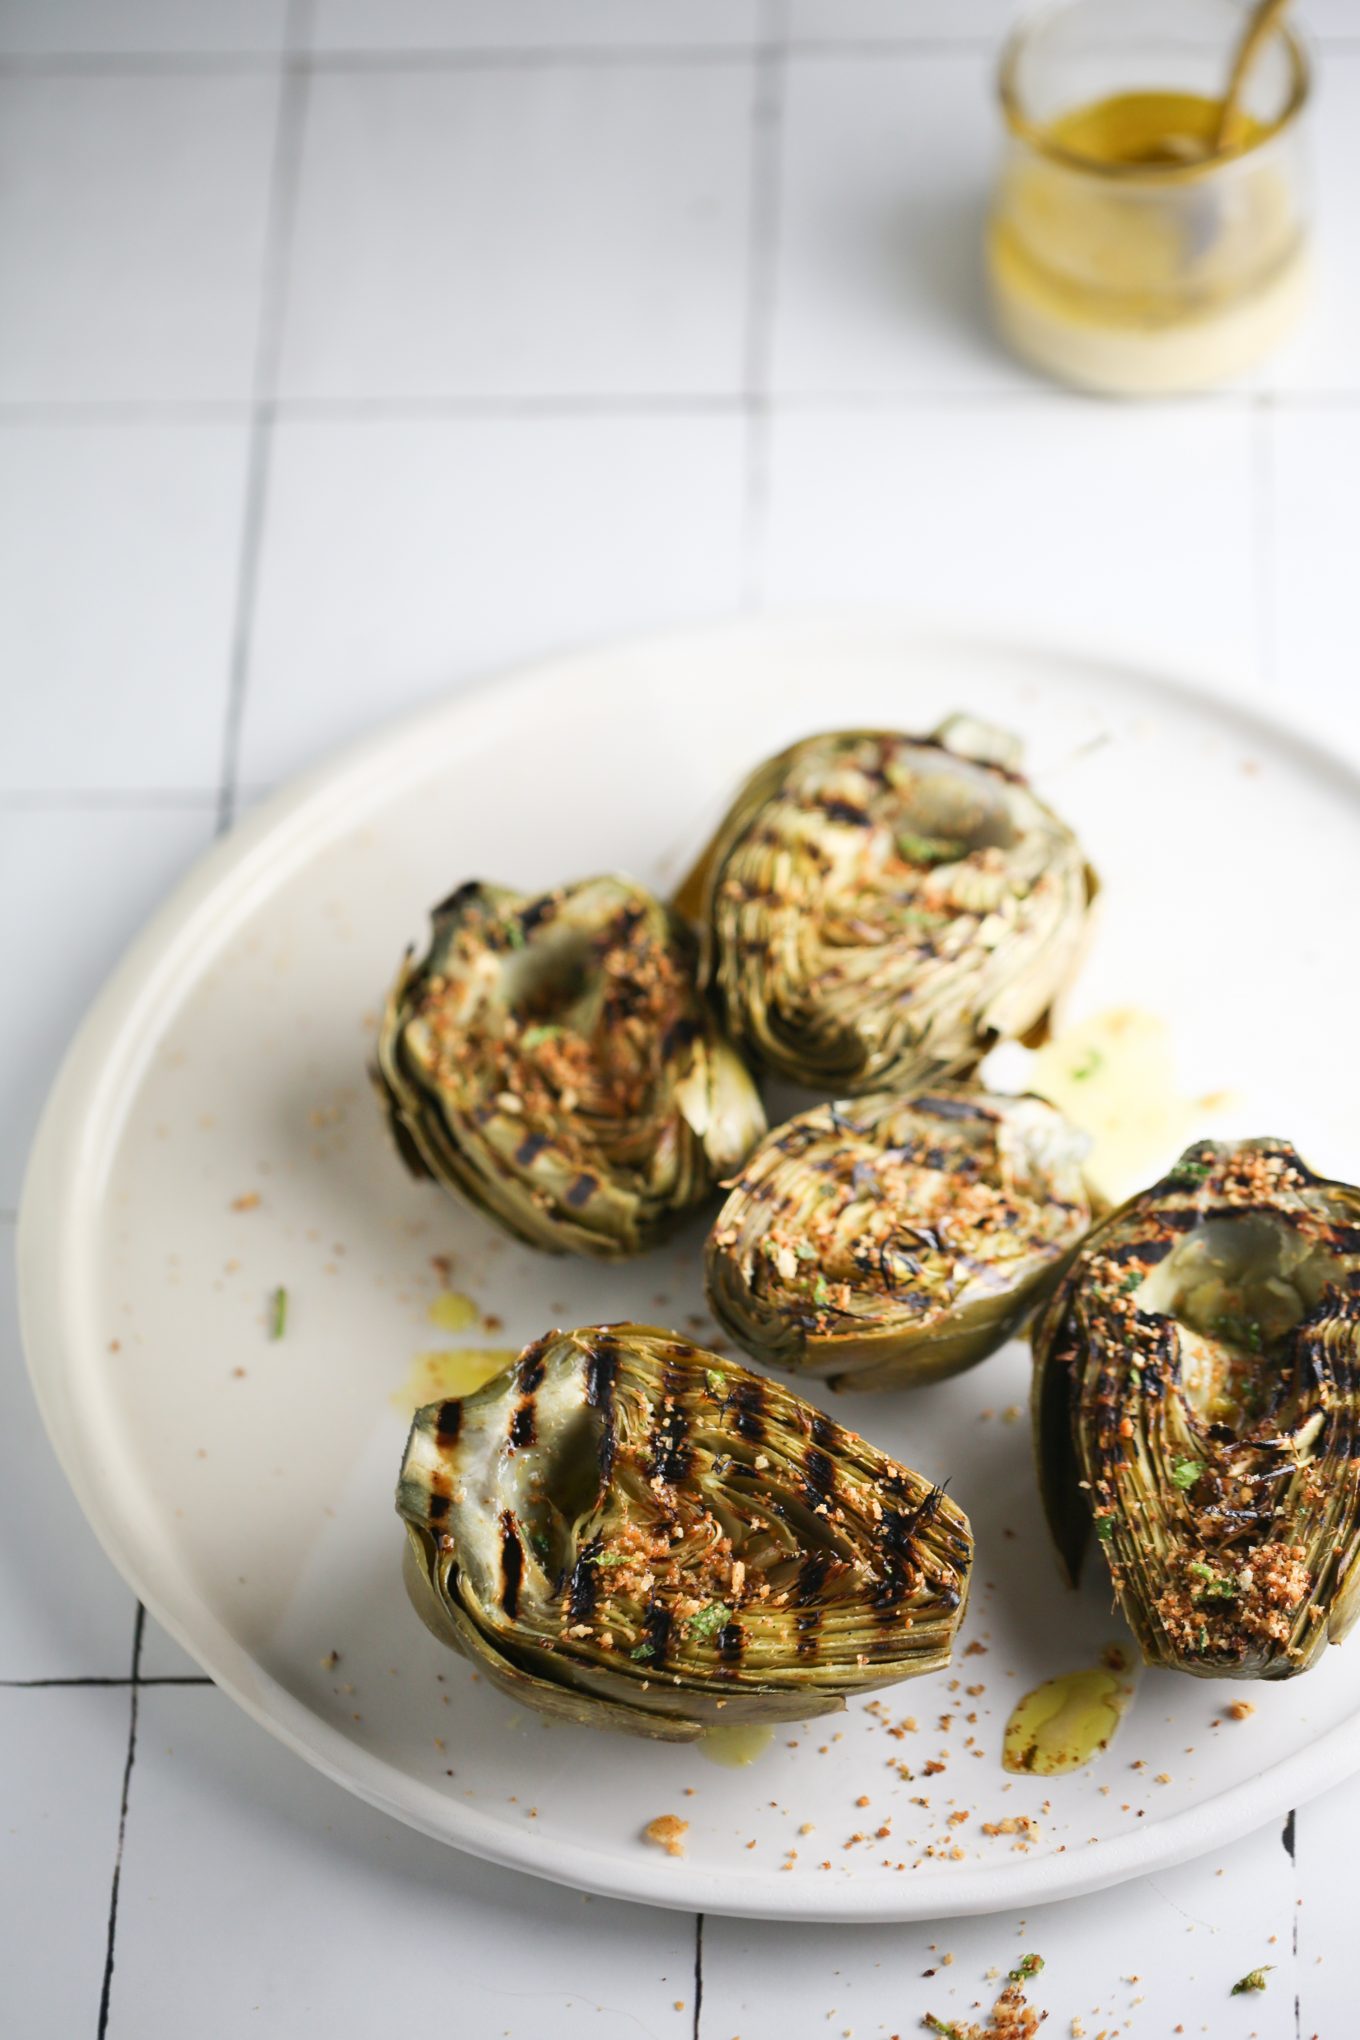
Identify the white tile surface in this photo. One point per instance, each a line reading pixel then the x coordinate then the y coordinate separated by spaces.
pixel 1323 355
pixel 1324 1845
pixel 132 222
pixel 85 1630
pixel 75 886
pixel 400 555
pixel 61 28
pixel 162 1657
pixel 887 163
pixel 456 236
pixel 530 24
pixel 1135 1960
pixel 119 559
pixel 898 20
pixel 1329 18
pixel 61 1777
pixel 1088 524
pixel 297 1911
pixel 1313 456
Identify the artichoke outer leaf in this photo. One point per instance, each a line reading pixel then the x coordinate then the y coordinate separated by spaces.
pixel 1196 1407
pixel 625 1531
pixel 889 1240
pixel 553 1061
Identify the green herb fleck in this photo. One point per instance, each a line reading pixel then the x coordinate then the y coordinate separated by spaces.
pixel 534 1037
pixel 708 1621
pixel 821 1296
pixel 929 849
pixel 1215 1587
pixel 278 1315
pixel 609 1558
pixel 805 1252
pixel 514 933
pixel 1189 1169
pixel 1129 1284
pixel 934 2025
pixel 1087 1067
pixel 1104 1528
pixel 1255 1979
pixel 642 1650
pixel 1186 1472
pixel 717 1383
pixel 1240 1331
pixel 1027 1966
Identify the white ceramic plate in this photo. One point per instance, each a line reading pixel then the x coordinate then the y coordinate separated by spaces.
pixel 244 1485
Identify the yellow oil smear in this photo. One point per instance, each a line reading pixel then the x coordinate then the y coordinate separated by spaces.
pixel 735 1747
pixel 452 1311
pixel 1115 1077
pixel 450 1371
pixel 1065 1722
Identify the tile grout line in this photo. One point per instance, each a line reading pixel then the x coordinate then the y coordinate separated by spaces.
pixel 106 1988
pixel 767 132
pixel 508 56
pixel 563 403
pixel 284 183
pixel 698 1974
pixel 97 1680
pixel 414 58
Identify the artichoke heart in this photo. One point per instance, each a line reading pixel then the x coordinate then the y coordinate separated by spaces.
pixel 889 1240
pixel 879 909
pixel 554 1060
pixel 624 1530
pixel 1197 1403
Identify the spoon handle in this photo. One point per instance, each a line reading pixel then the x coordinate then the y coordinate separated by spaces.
pixel 1263 21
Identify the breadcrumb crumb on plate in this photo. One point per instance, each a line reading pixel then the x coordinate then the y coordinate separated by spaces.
pixel 667 1832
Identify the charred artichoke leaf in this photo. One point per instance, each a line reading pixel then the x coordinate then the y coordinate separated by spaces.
pixel 878 908
pixel 554 1061
pixel 888 1241
pixel 625 1530
pixel 1196 1402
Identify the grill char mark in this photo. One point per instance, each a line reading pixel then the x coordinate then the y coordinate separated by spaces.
pixel 670 1454
pixel 812 1576
pixel 602 1371
pixel 529 1375
pixel 447 1424
pixel 731 1644
pixel 952 1108
pixel 819 1473
pixel 585 1581
pixel 656 1624
pixel 512 1564
pixel 746 1402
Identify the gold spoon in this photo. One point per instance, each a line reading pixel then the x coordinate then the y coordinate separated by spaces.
pixel 1261 25
pixel 1228 129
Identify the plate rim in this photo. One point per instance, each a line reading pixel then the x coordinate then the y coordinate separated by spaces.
pixel 59 1200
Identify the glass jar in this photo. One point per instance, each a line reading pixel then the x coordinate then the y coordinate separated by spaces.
pixel 1126 251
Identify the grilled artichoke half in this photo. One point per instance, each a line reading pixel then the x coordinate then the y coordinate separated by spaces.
pixel 1197 1401
pixel 625 1530
pixel 878 909
pixel 553 1059
pixel 891 1241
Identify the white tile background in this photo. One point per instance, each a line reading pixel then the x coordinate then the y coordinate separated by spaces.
pixel 350 351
